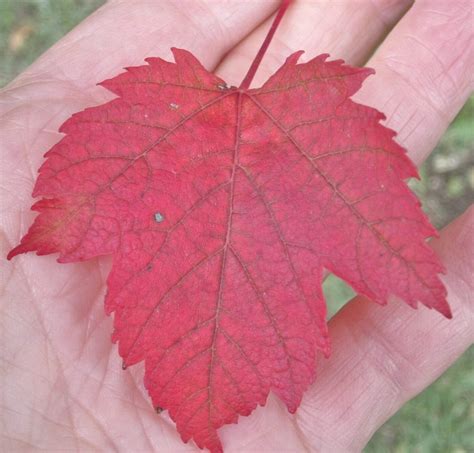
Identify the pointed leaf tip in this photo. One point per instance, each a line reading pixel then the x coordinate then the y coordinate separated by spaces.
pixel 183 57
pixel 294 57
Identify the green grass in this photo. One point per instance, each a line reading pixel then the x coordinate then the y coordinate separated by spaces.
pixel 38 24
pixel 440 420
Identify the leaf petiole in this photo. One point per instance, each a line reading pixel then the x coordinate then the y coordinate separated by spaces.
pixel 261 52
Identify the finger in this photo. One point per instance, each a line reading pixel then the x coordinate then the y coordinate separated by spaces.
pixel 423 73
pixel 383 356
pixel 346 29
pixel 122 34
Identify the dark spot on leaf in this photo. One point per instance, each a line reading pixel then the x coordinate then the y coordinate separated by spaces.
pixel 222 86
pixel 124 366
pixel 159 409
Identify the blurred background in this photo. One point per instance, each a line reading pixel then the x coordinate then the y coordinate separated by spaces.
pixel 441 419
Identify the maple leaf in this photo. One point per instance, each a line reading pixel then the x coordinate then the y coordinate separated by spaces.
pixel 222 207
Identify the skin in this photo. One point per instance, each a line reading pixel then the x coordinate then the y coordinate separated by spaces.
pixel 62 386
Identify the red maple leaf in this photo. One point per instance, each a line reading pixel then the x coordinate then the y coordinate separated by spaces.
pixel 222 207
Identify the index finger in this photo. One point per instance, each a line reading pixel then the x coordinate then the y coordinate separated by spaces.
pixel 123 33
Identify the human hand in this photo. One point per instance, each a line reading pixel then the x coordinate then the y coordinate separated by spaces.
pixel 63 386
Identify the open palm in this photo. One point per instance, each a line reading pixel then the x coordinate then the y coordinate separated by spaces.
pixel 63 387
